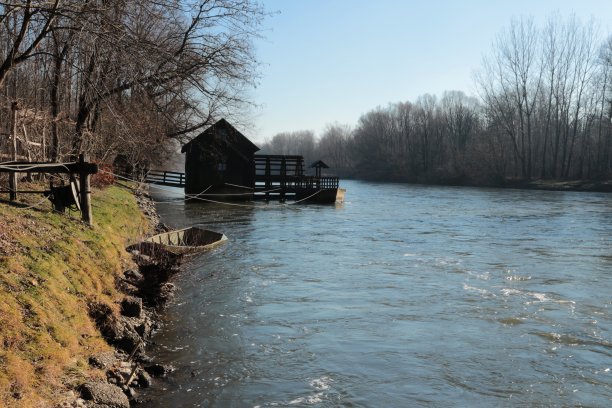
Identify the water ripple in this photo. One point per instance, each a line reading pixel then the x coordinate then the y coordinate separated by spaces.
pixel 470 297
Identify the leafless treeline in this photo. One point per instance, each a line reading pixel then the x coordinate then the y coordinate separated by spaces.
pixel 112 77
pixel 544 111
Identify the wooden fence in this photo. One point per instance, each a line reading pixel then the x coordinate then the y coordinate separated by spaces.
pixel 166 178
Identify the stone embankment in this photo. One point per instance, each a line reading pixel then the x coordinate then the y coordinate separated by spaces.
pixel 147 289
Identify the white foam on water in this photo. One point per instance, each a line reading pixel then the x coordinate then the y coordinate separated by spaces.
pixel 539 297
pixel 409 254
pixel 518 278
pixel 509 292
pixel 536 297
pixel 311 399
pixel 481 276
pixel 321 383
pixel 297 401
pixel 475 289
pixel 315 399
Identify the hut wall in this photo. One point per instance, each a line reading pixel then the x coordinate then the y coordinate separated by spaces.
pixel 202 172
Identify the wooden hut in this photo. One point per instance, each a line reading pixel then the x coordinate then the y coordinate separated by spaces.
pixel 318 166
pixel 219 164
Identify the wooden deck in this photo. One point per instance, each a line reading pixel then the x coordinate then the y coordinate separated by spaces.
pixel 277 177
pixel 280 177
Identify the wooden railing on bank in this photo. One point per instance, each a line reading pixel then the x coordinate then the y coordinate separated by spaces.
pixel 81 193
pixel 166 178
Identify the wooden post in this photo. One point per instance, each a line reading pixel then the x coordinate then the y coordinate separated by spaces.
pixel 85 193
pixel 44 144
pixel 267 178
pixel 283 173
pixel 13 175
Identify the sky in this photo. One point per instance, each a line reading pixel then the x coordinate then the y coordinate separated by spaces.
pixel 330 61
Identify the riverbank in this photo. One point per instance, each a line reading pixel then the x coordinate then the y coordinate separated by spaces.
pixel 561 185
pixel 602 186
pixel 75 306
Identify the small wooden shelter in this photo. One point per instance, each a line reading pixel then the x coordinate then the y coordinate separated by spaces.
pixel 318 165
pixel 220 162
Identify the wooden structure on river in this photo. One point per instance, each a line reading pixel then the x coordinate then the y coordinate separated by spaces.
pixel 221 165
pixel 283 177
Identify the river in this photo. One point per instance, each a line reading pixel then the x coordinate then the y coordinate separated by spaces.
pixel 403 296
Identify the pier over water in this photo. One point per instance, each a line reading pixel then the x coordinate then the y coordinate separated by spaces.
pixel 221 165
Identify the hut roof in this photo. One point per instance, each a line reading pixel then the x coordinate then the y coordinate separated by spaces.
pixel 320 164
pixel 223 132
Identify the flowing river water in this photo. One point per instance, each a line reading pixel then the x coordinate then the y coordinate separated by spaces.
pixel 402 296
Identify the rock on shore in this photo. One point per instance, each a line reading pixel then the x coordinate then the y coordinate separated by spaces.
pixel 128 326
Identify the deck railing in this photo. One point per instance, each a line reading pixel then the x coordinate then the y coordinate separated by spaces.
pixel 166 178
pixel 297 183
pixel 318 182
pixel 287 172
pixel 278 165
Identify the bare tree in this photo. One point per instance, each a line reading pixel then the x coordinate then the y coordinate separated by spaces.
pixel 23 27
pixel 301 142
pixel 333 147
pixel 604 114
pixel 99 66
pixel 428 131
pixel 172 53
pixel 510 86
pixel 460 120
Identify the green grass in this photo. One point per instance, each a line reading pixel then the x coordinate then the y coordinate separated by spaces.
pixel 51 267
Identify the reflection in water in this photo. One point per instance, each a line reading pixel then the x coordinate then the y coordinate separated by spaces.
pixel 403 296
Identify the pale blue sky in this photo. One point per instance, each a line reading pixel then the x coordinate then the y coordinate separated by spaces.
pixel 326 61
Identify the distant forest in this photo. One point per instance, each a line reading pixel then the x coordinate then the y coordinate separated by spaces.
pixel 543 111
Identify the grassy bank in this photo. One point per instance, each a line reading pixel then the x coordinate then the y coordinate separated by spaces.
pixel 51 267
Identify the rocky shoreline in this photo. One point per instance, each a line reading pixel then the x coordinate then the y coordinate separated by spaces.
pixel 147 289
